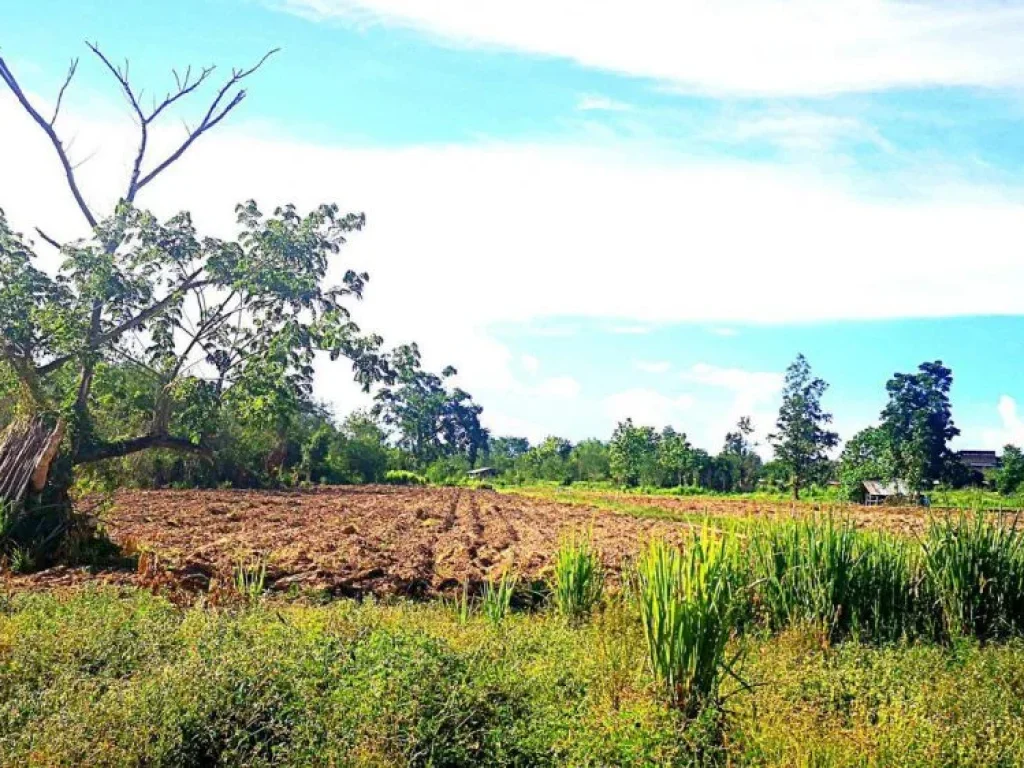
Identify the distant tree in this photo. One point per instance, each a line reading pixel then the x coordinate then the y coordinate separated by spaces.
pixel 548 460
pixel 919 424
pixel 430 420
pixel 504 452
pixel 866 456
pixel 590 460
pixel 1010 475
pixel 801 440
pixel 633 453
pixel 674 456
pixel 739 457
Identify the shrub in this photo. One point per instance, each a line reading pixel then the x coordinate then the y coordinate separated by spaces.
pixel 687 604
pixel 403 477
pixel 579 578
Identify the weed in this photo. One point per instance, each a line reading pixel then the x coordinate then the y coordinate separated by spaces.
pixel 250 577
pixel 497 597
pixel 687 605
pixel 579 578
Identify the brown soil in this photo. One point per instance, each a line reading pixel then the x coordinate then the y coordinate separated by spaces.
pixel 380 539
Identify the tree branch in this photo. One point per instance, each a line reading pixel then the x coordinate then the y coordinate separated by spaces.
pixel 8 77
pixel 48 239
pixel 213 115
pixel 60 96
pixel 119 448
pixel 114 333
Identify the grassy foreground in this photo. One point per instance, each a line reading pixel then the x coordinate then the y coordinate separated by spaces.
pixel 108 678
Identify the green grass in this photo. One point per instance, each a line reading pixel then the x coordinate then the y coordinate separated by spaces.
pixel 578 578
pixel 115 678
pixel 687 605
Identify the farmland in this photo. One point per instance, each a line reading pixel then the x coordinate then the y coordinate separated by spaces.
pixel 385 540
pixel 167 660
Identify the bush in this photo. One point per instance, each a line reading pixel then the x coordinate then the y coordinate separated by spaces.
pixel 403 477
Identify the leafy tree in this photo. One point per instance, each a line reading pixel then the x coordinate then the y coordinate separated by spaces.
pixel 866 456
pixel 1010 475
pixel 801 441
pixel 503 453
pixel 674 455
pixel 919 424
pixel 740 457
pixel 633 453
pixel 549 460
pixel 431 421
pixel 211 322
pixel 590 460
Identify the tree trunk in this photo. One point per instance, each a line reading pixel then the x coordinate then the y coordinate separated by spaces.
pixel 27 449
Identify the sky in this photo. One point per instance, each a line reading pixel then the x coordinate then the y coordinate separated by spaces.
pixel 595 214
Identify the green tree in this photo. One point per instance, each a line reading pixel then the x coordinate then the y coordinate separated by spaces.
pixel 590 460
pixel 633 453
pixel 918 422
pixel 1010 475
pixel 206 319
pixel 801 441
pixel 549 460
pixel 431 420
pixel 866 456
pixel 739 456
pixel 674 456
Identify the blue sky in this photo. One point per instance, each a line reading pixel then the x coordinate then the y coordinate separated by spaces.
pixel 594 214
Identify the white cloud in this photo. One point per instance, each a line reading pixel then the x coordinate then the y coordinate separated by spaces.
pixel 630 330
pixel 725 332
pixel 647 407
pixel 775 47
pixel 530 363
pixel 596 103
pixel 655 366
pixel 797 131
pixel 753 393
pixel 438 231
pixel 1011 430
pixel 561 387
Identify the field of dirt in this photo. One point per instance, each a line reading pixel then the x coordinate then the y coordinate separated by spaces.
pixel 348 540
pixel 895 519
pixel 383 539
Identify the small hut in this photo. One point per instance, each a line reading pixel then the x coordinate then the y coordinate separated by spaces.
pixel 482 472
pixel 876 493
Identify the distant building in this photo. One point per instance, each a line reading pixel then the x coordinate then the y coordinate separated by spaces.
pixel 483 472
pixel 875 493
pixel 979 461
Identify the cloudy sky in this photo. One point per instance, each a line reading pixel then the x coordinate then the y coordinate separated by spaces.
pixel 595 212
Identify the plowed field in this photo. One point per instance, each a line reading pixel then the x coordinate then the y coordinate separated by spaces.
pixel 382 539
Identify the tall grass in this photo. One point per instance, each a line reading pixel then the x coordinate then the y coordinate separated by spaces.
pixel 687 602
pixel 496 602
pixel 975 569
pixel 579 577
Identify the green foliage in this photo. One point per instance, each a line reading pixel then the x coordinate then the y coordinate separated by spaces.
pixel 579 577
pixel 1010 476
pixel 633 454
pixel 975 569
pixel 496 600
pixel 687 608
pixel 250 578
pixel 866 456
pixel 918 423
pixel 824 573
pixel 801 441
pixel 431 421
pixel 403 477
